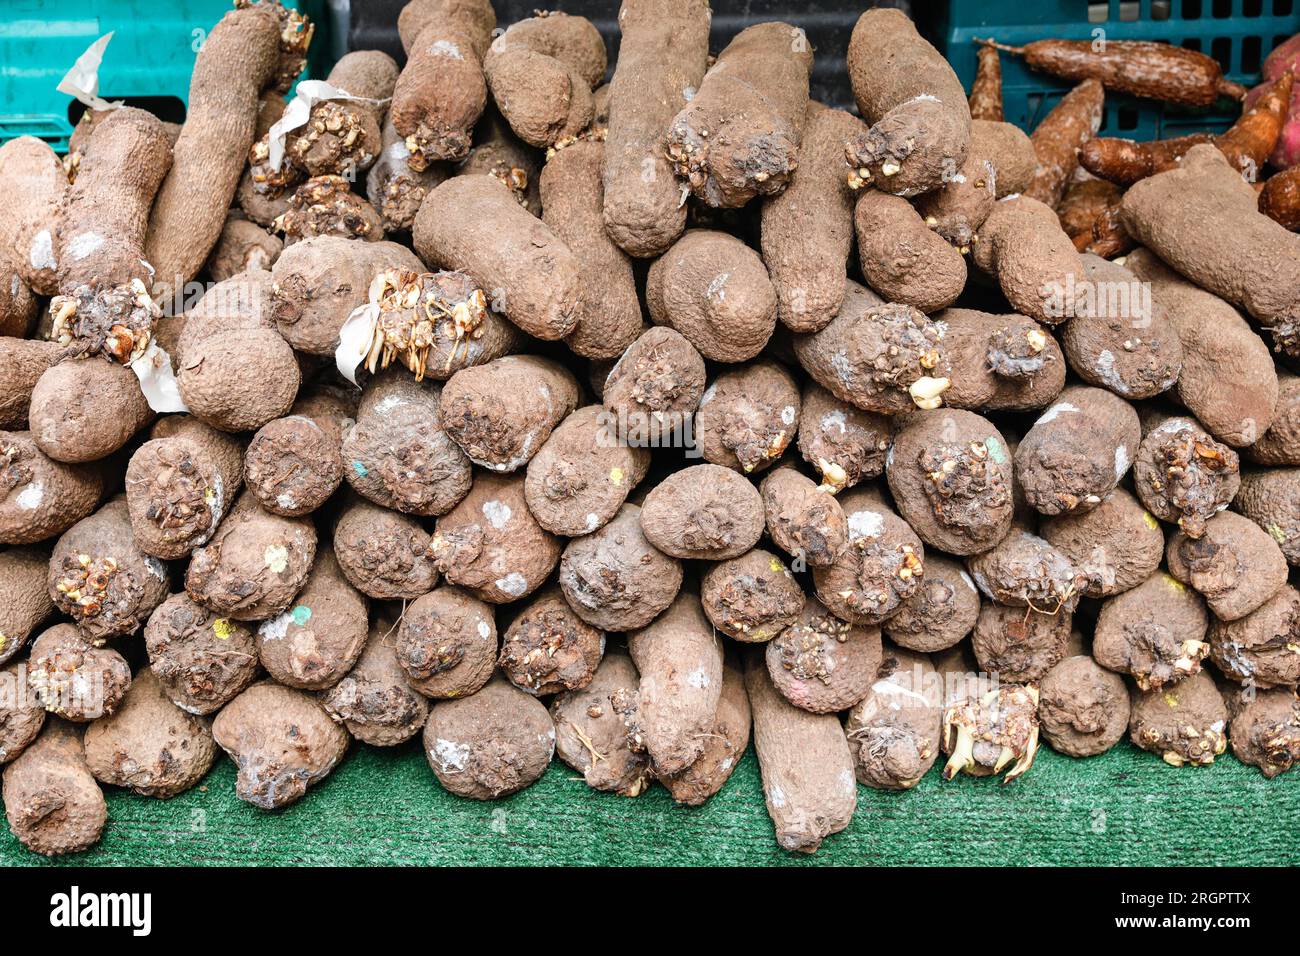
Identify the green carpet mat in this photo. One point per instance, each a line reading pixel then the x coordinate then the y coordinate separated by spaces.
pixel 382 807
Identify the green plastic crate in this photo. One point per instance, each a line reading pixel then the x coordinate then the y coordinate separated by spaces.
pixel 1237 33
pixel 148 63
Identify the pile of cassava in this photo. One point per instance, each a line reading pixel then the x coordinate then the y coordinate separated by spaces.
pixel 538 408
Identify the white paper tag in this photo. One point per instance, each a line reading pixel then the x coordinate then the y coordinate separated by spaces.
pixel 308 94
pixel 157 380
pixel 354 340
pixel 82 81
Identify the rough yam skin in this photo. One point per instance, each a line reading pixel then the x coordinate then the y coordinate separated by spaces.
pixel 1143 632
pixel 592 737
pixel 37 186
pixel 1084 201
pixel 180 484
pixel 514 257
pixel 243 245
pixel 940 613
pixel 714 290
pixel 1271 498
pixel 502 413
pixel 105 214
pixel 325 205
pixel 101 579
pixel 236 372
pixel 1023 570
pixel 72 678
pixel 238 61
pixel 85 409
pixel 498 153
pixel 1116 545
pixel 282 742
pixel 314 644
pixel 1280 444
pixel 752 598
pixel 609 313
pixel 541 71
pixel 21 714
pixel 662 56
pixel 318 282
pixel 802 519
pixel 53 803
pixel 845 444
pixel 1265 731
pixel 24 599
pixel 1234 565
pixel 1183 475
pixel 902 258
pixel 913 101
pixel 447 643
pixel 441 91
pixel 150 746
pixel 1071 124
pixel 367 73
pixel 491 545
pixel 375 701
pixel 679 658
pixel 254 565
pixel 1129 347
pixel 894 731
pixel 1227 380
pixel 202 659
pixel 1000 162
pixel 490 745
pixel 807 228
pixel 22 362
pixel 394 188
pixel 41 497
pixel 384 553
pixel 1083 709
pixel 1077 451
pixel 1000 362
pixel 878 569
pixel 822 664
pixel 659 378
pixel 293 464
pixel 1260 648
pixel 548 649
pixel 397 454
pixel 722 749
pixel 739 135
pixel 747 417
pixel 1202 220
pixel 963 508
pixel 1019 645
pixel 476 16
pixel 704 511
pixel 1183 724
pixel 614 579
pixel 18 305
pixel 806 763
pixel 872 353
pixel 580 478
pixel 1034 262
pixel 340 138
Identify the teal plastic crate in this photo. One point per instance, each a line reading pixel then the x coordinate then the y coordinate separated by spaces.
pixel 148 63
pixel 1237 33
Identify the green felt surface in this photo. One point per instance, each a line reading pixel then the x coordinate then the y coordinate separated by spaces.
pixel 385 807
